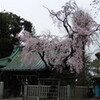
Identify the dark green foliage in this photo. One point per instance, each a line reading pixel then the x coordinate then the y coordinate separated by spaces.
pixel 84 77
pixel 6 47
pixel 65 76
pixel 95 63
pixel 28 26
pixel 10 25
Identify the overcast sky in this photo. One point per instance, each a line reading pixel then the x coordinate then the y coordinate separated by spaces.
pixel 33 10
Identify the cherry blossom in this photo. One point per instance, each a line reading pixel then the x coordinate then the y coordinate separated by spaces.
pixel 60 52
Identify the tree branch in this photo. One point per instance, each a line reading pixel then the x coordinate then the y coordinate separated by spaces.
pixel 97 28
pixel 42 57
pixel 70 55
pixel 50 64
pixel 54 14
pixel 66 28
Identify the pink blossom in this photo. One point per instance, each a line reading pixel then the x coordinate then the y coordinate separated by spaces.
pixel 65 51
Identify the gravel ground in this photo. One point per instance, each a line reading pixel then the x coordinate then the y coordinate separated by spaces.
pixel 73 99
pixel 13 99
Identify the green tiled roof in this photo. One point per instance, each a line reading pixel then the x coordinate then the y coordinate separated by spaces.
pixel 5 61
pixel 16 65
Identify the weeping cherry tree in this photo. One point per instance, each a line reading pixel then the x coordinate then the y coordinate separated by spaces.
pixel 68 51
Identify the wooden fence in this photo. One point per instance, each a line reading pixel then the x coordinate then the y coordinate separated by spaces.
pixel 45 92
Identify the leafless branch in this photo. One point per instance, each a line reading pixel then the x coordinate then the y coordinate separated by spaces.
pixel 54 14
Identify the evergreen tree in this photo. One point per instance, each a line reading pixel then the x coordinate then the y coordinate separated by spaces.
pixel 10 25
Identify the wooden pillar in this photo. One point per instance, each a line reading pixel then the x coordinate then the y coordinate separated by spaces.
pixel 25 92
pixel 68 92
pixel 58 89
pixel 25 89
pixel 1 89
pixel 38 90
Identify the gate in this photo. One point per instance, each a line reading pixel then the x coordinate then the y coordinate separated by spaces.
pixel 44 92
pixel 53 92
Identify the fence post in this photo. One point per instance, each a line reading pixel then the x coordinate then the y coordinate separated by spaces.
pixel 1 89
pixel 68 92
pixel 58 89
pixel 38 90
pixel 25 92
